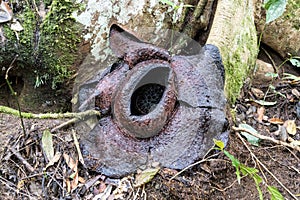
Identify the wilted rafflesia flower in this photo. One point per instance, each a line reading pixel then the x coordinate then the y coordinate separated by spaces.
pixel 155 107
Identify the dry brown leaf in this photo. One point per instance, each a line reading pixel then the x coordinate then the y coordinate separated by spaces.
pixel 21 184
pixel 68 185
pixel 81 180
pixel 70 162
pixel 291 127
pixel 74 182
pixel 257 93
pixel 260 113
pixel 53 160
pixel 275 121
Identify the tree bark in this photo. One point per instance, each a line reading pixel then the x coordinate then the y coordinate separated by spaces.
pixel 230 27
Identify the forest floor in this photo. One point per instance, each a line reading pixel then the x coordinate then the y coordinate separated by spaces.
pixel 24 173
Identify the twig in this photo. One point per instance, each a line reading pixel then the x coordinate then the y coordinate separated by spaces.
pixel 7 183
pixel 80 158
pixel 265 168
pixel 71 121
pixel 14 93
pixel 80 115
pixel 271 59
pixel 266 138
pixel 18 155
pixel 194 164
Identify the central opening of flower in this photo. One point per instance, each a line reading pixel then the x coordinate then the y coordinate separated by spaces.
pixel 146 98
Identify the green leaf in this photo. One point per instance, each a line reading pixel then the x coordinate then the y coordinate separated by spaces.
pixel 145 176
pixel 248 170
pixel 295 62
pixel 250 138
pixel 265 103
pixel 219 143
pixel 236 163
pixel 258 180
pixel 275 194
pixel 47 144
pixel 270 74
pixel 274 8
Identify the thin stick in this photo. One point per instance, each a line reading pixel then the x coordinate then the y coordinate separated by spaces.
pixel 80 158
pixel 196 163
pixel 7 183
pixel 14 93
pixel 18 155
pixel 71 121
pixel 266 138
pixel 265 168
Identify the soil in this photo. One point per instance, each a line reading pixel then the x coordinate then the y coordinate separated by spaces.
pixel 23 174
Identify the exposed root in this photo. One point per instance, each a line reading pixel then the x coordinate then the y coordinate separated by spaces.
pixel 80 115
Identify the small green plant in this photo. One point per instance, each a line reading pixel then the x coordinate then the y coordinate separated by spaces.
pixel 248 171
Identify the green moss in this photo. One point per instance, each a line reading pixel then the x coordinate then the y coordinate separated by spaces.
pixel 20 43
pixel 236 65
pixel 59 39
pixel 292 12
pixel 47 46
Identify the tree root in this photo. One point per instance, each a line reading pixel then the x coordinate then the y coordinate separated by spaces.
pixel 80 115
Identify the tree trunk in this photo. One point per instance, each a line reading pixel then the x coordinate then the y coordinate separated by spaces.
pixel 49 46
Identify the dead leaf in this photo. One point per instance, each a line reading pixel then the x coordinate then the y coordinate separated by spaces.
pixel 81 179
pixel 260 113
pixel 68 185
pixel 257 93
pixel 282 133
pixel 21 184
pixel 291 127
pixel 145 176
pixel 105 194
pixel 55 158
pixel 295 143
pixel 48 144
pixel 265 103
pixel 16 26
pixel 70 162
pixel 296 92
pixel 6 13
pixel 275 121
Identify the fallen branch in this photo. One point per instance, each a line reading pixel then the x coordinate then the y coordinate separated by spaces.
pixel 80 115
pixel 263 137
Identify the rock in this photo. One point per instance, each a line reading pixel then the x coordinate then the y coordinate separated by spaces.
pixel 262 68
